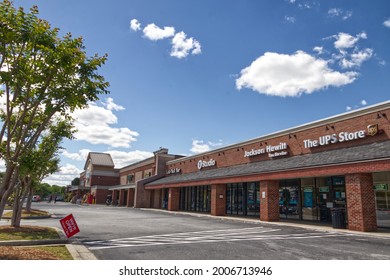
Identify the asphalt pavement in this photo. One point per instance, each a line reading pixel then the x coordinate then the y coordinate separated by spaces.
pixel 108 232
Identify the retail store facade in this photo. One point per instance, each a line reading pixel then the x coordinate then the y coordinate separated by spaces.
pixel 338 167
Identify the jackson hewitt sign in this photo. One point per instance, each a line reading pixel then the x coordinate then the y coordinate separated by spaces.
pixel 273 151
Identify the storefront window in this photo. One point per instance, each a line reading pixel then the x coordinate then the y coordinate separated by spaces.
pixel 195 199
pixel 382 198
pixel 243 199
pixel 309 203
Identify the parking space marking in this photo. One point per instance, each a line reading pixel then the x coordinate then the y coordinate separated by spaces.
pixel 212 236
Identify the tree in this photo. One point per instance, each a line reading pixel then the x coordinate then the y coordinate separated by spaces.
pixel 75 181
pixel 37 164
pixel 44 77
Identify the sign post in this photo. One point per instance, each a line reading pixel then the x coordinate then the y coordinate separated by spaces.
pixel 69 226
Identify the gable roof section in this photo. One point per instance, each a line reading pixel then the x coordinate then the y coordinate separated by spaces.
pixel 100 159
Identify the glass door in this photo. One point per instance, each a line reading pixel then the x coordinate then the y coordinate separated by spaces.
pixel 289 199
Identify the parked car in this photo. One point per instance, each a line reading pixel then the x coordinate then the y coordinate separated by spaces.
pixel 36 198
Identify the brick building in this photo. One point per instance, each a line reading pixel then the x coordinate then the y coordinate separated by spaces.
pixel 130 190
pixel 334 168
pixel 98 176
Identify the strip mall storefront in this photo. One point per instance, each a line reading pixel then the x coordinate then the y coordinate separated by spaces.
pixel 335 168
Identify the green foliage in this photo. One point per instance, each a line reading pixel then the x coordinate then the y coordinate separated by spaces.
pixel 45 77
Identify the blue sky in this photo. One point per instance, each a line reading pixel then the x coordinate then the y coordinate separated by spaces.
pixel 197 75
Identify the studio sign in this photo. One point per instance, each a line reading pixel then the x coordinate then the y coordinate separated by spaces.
pixel 343 136
pixel 202 163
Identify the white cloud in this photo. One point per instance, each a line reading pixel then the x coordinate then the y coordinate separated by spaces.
pixel 64 176
pixel 182 47
pixel 357 58
pixel 291 75
pixel 318 49
pixel 289 19
pixel 337 12
pixel 94 125
pixel 122 159
pixel 80 156
pixel 199 146
pixel 110 105
pixel 135 25
pixel 154 33
pixel 345 41
pixel 387 23
pixel 361 103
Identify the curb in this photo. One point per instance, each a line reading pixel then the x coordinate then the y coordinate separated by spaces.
pixel 75 248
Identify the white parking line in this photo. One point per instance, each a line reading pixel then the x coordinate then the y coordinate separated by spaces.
pixel 228 235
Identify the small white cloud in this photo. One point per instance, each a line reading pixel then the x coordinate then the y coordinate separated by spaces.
pixel 346 41
pixel 110 105
pixel 80 156
pixel 154 33
pixel 337 12
pixel 199 146
pixel 122 159
pixel 289 19
pixel 182 47
pixel 356 59
pixel 318 50
pixel 291 75
pixel 361 103
pixel 135 25
pixel 387 23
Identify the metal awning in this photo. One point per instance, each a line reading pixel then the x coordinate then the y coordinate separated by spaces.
pixel 122 187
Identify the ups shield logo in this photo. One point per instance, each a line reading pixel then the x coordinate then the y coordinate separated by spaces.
pixel 372 129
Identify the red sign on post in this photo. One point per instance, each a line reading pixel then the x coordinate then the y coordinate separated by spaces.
pixel 69 225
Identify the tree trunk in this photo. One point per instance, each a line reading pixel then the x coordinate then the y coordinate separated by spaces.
pixel 7 186
pixel 29 199
pixel 20 195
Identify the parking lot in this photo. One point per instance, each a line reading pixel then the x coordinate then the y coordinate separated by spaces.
pixel 117 233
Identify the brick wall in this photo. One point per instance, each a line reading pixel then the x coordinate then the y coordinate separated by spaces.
pixel 218 200
pixel 295 141
pixel 360 202
pixel 269 205
pixel 173 199
pixel 97 180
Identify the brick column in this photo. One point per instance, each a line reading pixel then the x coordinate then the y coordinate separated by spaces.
pixel 218 200
pixel 130 198
pixel 360 202
pixel 269 201
pixel 173 199
pixel 121 197
pixel 114 197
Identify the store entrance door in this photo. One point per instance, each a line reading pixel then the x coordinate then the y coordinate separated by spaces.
pixel 331 195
